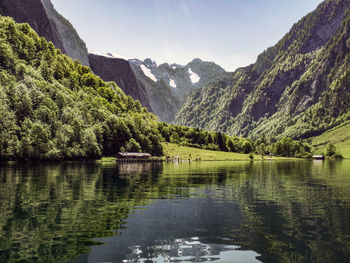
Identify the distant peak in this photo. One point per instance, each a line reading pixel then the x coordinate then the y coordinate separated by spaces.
pixel 196 60
pixel 150 62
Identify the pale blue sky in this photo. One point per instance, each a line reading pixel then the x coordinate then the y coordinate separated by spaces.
pixel 229 32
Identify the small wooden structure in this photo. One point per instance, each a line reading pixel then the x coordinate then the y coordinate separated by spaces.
pixel 318 157
pixel 133 157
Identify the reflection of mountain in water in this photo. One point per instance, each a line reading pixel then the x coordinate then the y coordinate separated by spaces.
pixel 189 250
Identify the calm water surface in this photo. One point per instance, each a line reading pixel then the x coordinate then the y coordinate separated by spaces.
pixel 285 211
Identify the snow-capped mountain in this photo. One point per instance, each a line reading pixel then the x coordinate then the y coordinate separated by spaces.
pixel 169 84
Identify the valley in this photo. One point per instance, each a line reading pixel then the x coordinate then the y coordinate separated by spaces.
pixel 105 158
pixel 297 89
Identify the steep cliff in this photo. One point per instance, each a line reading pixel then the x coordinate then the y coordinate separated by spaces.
pixel 297 88
pixel 48 23
pixel 120 71
pixel 163 102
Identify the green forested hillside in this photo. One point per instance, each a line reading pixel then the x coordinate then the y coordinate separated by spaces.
pixel 299 88
pixel 52 107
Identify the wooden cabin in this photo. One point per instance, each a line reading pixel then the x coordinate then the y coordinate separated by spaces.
pixel 133 156
pixel 318 157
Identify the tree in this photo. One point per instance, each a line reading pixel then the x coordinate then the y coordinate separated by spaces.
pixel 229 145
pixel 262 149
pixel 133 146
pixel 221 141
pixel 331 150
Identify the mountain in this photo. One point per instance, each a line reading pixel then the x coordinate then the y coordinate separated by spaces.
pixel 52 107
pixel 161 89
pixel 48 23
pixel 167 85
pixel 297 88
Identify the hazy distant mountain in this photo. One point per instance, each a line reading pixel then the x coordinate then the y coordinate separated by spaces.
pixel 168 85
pixel 300 87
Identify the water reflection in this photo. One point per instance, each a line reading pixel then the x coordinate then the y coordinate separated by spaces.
pixel 189 250
pixel 294 211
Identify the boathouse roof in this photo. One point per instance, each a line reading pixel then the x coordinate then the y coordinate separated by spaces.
pixel 133 155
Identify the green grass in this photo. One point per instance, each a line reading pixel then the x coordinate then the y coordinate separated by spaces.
pixel 186 153
pixel 340 136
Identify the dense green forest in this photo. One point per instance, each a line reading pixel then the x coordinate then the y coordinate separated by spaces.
pixel 54 108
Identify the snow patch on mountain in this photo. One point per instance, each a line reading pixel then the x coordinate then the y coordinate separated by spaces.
pixel 172 83
pixel 108 55
pixel 148 73
pixel 194 76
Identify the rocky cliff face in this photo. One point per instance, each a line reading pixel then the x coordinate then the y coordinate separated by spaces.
pixel 163 101
pixel 297 88
pixel 48 23
pixel 120 71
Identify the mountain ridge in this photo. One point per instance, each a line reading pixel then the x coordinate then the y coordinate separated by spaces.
pixel 274 94
pixel 168 84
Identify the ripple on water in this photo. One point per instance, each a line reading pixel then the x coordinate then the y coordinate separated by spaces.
pixel 189 250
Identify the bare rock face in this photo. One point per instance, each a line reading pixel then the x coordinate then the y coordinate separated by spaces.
pixel 48 23
pixel 120 71
pixel 73 45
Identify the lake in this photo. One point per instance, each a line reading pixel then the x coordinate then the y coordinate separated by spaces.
pixel 271 211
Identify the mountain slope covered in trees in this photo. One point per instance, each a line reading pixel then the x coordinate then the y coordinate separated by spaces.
pixel 55 108
pixel 297 88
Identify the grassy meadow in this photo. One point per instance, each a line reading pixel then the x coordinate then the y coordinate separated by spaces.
pixel 340 136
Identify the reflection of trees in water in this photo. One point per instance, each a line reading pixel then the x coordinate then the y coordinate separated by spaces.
pixel 53 211
pixel 296 212
pixel 291 210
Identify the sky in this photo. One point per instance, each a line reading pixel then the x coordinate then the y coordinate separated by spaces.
pixel 231 33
